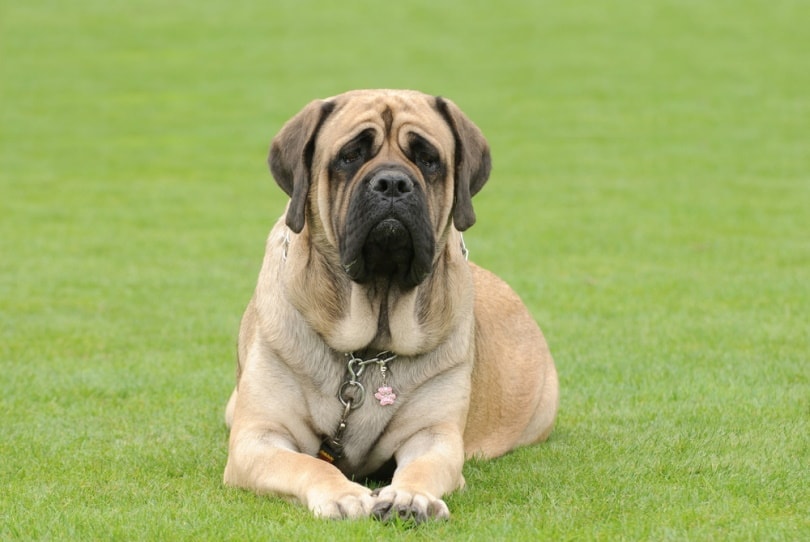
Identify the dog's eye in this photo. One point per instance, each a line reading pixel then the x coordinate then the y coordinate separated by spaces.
pixel 427 160
pixel 350 156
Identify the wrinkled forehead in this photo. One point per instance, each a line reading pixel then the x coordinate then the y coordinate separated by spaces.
pixel 394 115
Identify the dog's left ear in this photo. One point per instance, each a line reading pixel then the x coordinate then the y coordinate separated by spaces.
pixel 473 162
pixel 291 158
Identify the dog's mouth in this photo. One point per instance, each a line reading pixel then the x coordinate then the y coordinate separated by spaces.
pixel 388 250
pixel 388 239
pixel 387 253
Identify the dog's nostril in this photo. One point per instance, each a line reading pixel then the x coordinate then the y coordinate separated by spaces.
pixel 381 185
pixel 403 186
pixel 392 185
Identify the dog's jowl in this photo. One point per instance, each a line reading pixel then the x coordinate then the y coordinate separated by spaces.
pixel 370 341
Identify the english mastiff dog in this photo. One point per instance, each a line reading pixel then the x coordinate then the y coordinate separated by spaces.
pixel 371 346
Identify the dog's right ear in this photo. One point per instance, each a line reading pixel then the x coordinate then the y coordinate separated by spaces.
pixel 291 158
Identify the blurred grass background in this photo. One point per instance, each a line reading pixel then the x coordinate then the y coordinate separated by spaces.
pixel 648 201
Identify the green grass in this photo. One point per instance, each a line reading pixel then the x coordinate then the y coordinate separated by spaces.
pixel 649 202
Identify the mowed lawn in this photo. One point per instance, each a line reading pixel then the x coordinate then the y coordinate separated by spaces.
pixel 650 201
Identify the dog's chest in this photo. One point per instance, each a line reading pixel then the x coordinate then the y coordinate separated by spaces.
pixel 353 419
pixel 364 428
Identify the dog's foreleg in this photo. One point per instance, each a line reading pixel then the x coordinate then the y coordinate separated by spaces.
pixel 428 467
pixel 269 464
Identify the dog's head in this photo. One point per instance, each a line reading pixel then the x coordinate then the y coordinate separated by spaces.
pixel 381 176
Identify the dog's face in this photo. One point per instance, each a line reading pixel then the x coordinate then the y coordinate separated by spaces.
pixel 380 177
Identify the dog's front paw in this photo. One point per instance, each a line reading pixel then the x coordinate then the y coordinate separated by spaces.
pixel 394 503
pixel 353 505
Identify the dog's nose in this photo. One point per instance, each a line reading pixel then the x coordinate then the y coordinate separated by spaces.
pixel 391 183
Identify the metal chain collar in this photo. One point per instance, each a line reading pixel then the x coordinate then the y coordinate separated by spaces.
pixel 285 244
pixel 352 394
pixel 464 251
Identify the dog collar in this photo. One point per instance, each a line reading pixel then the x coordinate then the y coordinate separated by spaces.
pixel 464 251
pixel 352 394
pixel 285 244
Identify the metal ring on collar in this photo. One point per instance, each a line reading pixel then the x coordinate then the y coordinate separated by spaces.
pixel 355 402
